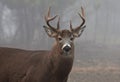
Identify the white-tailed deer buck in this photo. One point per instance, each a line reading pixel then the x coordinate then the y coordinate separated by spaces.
pixel 18 65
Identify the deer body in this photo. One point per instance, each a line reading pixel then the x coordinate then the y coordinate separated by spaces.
pixel 18 65
pixel 33 66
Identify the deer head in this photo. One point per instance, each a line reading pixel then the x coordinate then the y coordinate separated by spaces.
pixel 64 38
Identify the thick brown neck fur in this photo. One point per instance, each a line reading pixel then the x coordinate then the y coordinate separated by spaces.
pixel 62 64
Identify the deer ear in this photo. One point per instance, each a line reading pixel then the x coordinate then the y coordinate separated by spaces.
pixel 50 32
pixel 78 33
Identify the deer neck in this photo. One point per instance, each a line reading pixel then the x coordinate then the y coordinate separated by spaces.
pixel 61 64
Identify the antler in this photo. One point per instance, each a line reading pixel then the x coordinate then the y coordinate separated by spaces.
pixel 81 27
pixel 48 19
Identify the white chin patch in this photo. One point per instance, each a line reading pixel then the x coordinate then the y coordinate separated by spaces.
pixel 66 44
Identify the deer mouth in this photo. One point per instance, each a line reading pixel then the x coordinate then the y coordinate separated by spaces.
pixel 66 54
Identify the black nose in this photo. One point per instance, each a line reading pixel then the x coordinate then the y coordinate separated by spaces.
pixel 67 48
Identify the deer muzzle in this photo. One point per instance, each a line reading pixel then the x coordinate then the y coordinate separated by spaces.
pixel 66 47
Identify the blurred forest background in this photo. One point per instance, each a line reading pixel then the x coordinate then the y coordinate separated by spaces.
pixel 98 49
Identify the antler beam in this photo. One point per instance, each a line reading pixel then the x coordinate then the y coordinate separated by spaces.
pixel 83 21
pixel 48 19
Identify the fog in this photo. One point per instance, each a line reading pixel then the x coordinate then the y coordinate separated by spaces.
pixel 21 26
pixel 22 20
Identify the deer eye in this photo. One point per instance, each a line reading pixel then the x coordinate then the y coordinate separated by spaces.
pixel 59 38
pixel 71 38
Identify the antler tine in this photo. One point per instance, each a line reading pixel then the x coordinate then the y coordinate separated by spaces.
pixel 83 19
pixel 71 26
pixel 48 19
pixel 48 14
pixel 58 23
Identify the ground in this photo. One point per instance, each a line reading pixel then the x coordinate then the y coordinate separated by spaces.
pixel 95 74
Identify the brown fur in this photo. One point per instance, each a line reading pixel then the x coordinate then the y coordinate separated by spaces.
pixel 34 66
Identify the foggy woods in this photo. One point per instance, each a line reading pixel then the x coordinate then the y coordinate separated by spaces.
pixel 21 26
